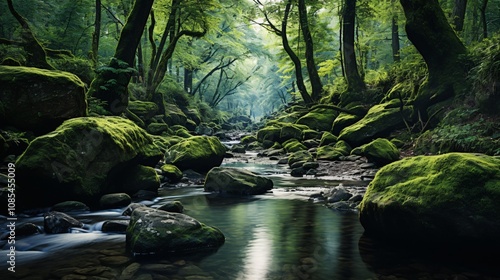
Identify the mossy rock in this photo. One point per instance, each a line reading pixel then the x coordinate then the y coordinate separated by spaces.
pixel 276 146
pixel 136 178
pixel 174 115
pixel 434 199
pixel 292 131
pixel 165 142
pixel 194 115
pixel 248 139
pixel 183 132
pixel 327 139
pixel 143 109
pixel 380 151
pixel 157 128
pixel 342 121
pixel 158 232
pixel 199 153
pixel 171 172
pixel 38 99
pixel 379 122
pixel 329 152
pixel 172 206
pixel 238 148
pixel 292 117
pixel 309 134
pixel 236 181
pixel 74 160
pixel 270 133
pixel 320 119
pixel 293 145
pixel 254 146
pixel 304 156
pixel 191 125
pixel 114 200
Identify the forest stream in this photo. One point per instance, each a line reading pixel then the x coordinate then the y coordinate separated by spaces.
pixel 279 235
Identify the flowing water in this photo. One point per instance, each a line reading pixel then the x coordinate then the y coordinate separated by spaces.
pixel 280 235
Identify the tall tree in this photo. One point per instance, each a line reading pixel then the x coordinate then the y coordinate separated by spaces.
pixel 316 85
pixel 96 35
pixel 396 56
pixel 429 31
pixel 458 14
pixel 354 81
pixel 110 85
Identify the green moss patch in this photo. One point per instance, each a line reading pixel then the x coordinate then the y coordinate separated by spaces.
pixel 320 119
pixel 200 153
pixel 380 151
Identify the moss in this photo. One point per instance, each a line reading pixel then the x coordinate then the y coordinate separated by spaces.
pixel 248 139
pixel 309 134
pixel 276 146
pixel 435 197
pixel 74 160
pixel 289 131
pixel 320 119
pixel 157 128
pixel 290 118
pixel 293 145
pixel 165 142
pixel 342 121
pixel 171 172
pixel 333 152
pixel 38 99
pixel 270 133
pixel 300 156
pixel 380 120
pixel 182 132
pixel 236 181
pixel 380 151
pixel 143 109
pixel 327 138
pixel 174 115
pixel 199 153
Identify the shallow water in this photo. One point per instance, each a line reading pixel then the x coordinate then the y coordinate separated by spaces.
pixel 279 235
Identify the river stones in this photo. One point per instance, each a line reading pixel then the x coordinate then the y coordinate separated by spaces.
pixel 450 198
pixel 172 206
pixel 114 200
pixel 57 222
pixel 158 232
pixel 236 181
pixel 199 153
pixel 380 151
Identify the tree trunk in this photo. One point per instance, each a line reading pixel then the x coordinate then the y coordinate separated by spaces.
pixel 296 61
pixel 484 23
pixel 316 85
pixel 188 80
pixel 395 40
pixel 111 83
pixel 36 55
pixel 458 14
pixel 428 29
pixel 354 81
pixel 96 35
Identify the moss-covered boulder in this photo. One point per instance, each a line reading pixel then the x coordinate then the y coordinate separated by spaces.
pixel 157 128
pixel 143 109
pixel 158 232
pixel 174 115
pixel 432 199
pixel 248 139
pixel 171 172
pixel 292 131
pixel 293 145
pixel 333 152
pixel 379 121
pixel 304 156
pixel 165 142
pixel 39 100
pixel 114 200
pixel 270 133
pixel 380 151
pixel 320 119
pixel 309 134
pixel 342 121
pixel 236 181
pixel 328 139
pixel 199 153
pixel 78 160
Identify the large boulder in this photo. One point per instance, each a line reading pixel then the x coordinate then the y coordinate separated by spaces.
pixel 333 151
pixel 319 118
pixel 236 181
pixel 158 232
pixel 199 153
pixel 81 160
pixel 143 109
pixel 379 121
pixel 433 199
pixel 39 100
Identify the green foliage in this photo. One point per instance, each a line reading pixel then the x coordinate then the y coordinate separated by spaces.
pixel 462 130
pixel 75 65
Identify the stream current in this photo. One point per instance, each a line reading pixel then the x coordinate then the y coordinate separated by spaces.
pixel 279 235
